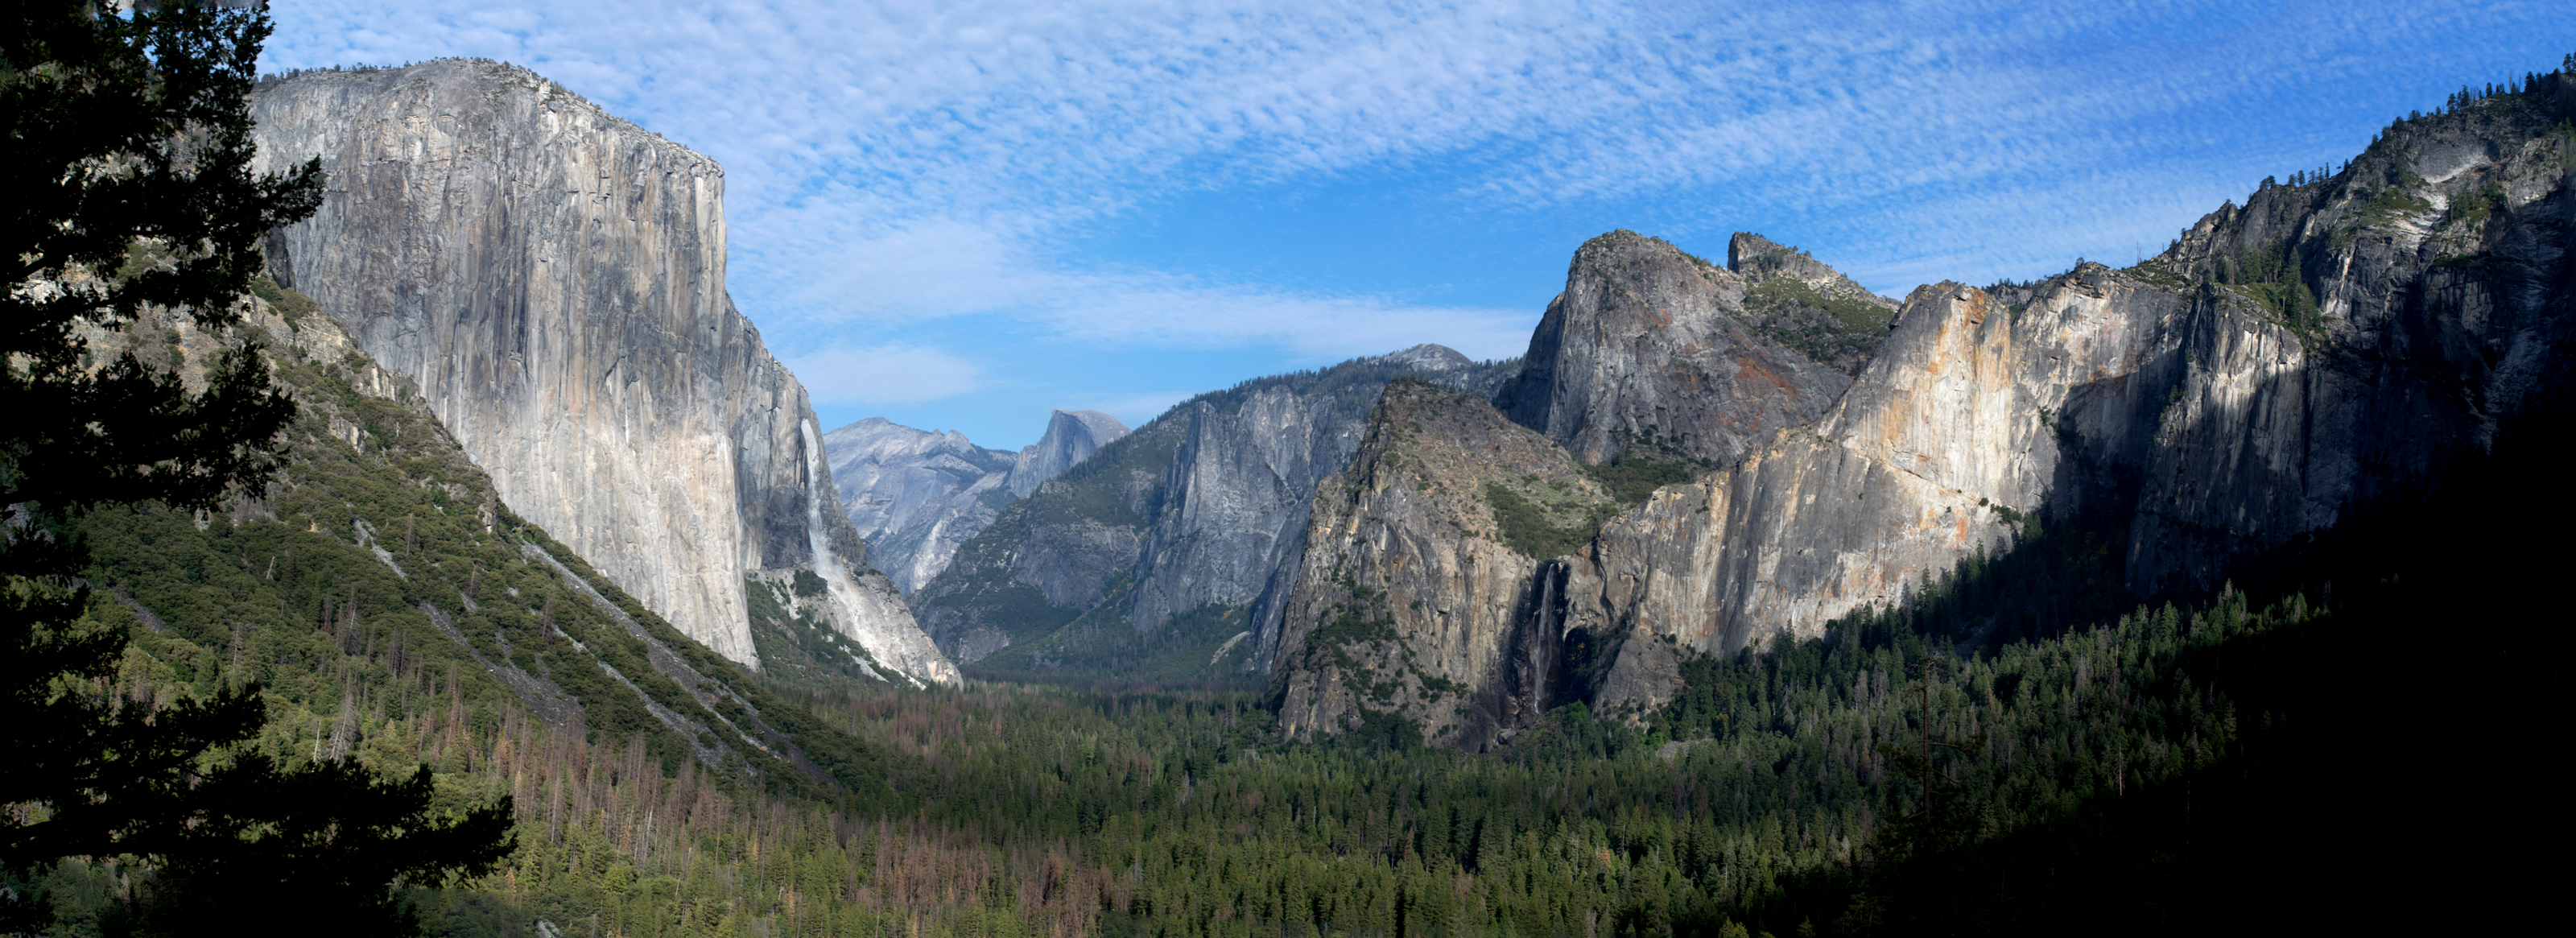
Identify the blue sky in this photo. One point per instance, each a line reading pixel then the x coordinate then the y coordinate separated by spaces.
pixel 961 214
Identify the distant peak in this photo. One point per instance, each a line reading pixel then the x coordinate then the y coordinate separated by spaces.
pixel 1071 436
pixel 1429 357
pixel 1102 426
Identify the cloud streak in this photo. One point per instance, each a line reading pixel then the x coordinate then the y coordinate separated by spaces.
pixel 884 374
pixel 898 164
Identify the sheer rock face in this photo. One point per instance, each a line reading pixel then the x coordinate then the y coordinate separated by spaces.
pixel 915 495
pixel 553 278
pixel 1406 598
pixel 1903 476
pixel 1235 506
pixel 2327 342
pixel 1071 437
pixel 2221 411
pixel 1646 344
pixel 1206 505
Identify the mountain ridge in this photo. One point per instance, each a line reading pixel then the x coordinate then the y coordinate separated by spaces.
pixel 1187 525
pixel 553 278
pixel 2328 340
pixel 915 495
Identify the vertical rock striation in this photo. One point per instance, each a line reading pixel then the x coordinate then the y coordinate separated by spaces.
pixel 553 278
pixel 1196 520
pixel 2332 340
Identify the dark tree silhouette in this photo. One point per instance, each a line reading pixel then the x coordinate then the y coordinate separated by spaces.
pixel 128 166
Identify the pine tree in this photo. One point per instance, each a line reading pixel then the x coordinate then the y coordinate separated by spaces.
pixel 128 158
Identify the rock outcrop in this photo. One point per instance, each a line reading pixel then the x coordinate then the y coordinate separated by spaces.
pixel 2334 339
pixel 915 495
pixel 1071 437
pixel 1192 524
pixel 1792 299
pixel 553 278
pixel 1409 597
pixel 1646 346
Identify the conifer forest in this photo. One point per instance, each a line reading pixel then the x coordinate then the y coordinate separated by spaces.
pixel 383 701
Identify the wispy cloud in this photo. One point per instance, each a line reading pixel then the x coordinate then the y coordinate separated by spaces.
pixel 894 164
pixel 884 374
pixel 945 270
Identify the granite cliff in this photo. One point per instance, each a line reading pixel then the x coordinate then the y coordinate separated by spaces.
pixel 381 560
pixel 552 278
pixel 1169 544
pixel 1431 602
pixel 1411 596
pixel 915 495
pixel 1071 437
pixel 2334 338
pixel 1648 345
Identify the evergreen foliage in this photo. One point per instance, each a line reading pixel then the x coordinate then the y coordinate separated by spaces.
pixel 2280 756
pixel 133 210
pixel 1835 328
pixel 1125 487
pixel 1638 471
pixel 1543 521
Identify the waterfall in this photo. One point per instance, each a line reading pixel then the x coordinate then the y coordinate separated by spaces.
pixel 1546 638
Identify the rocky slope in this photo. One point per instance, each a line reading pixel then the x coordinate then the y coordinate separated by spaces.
pixel 2328 341
pixel 553 279
pixel 915 495
pixel 1184 532
pixel 1410 597
pixel 1792 299
pixel 379 570
pixel 1648 345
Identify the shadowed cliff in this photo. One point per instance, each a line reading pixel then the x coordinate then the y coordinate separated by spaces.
pixel 2332 339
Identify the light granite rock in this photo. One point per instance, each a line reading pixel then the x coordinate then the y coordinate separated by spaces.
pixel 1204 508
pixel 1071 436
pixel 553 279
pixel 2420 298
pixel 2321 345
pixel 915 495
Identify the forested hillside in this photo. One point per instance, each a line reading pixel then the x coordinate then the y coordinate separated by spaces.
pixel 1152 559
pixel 2193 743
pixel 2336 734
